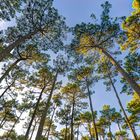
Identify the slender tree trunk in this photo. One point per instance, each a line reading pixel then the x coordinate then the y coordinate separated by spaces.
pixel 48 131
pixel 72 117
pixel 110 132
pixel 9 69
pixel 78 132
pixel 89 127
pixel 123 110
pixel 14 124
pixel 8 87
pixel 66 131
pixel 33 129
pixel 3 121
pixel 44 114
pixel 119 126
pixel 6 52
pixel 91 108
pixel 132 83
pixel 34 113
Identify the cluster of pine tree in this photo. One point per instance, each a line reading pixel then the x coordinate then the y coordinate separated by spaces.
pixel 47 87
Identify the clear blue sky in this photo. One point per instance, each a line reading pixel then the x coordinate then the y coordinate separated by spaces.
pixel 77 11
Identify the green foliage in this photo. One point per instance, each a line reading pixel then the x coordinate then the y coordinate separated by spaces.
pixel 8 8
pixel 59 87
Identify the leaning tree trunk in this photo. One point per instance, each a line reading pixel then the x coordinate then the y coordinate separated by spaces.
pixel 6 52
pixel 72 117
pixel 123 110
pixel 3 121
pixel 8 87
pixel 45 111
pixel 34 113
pixel 126 76
pixel 119 126
pixel 91 108
pixel 50 125
pixel 9 69
pixel 36 121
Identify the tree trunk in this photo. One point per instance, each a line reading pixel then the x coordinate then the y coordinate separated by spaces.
pixel 132 83
pixel 119 126
pixel 44 114
pixel 8 87
pixel 72 117
pixel 34 113
pixel 9 69
pixel 91 108
pixel 33 129
pixel 3 121
pixel 123 110
pixel 78 132
pixel 14 124
pixel 48 131
pixel 110 132
pixel 66 131
pixel 89 127
pixel 6 52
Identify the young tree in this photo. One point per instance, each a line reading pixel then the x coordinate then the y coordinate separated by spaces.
pixel 83 75
pixel 74 96
pixel 87 118
pixel 108 113
pixel 64 119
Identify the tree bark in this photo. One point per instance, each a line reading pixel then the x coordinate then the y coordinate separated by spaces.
pixel 91 108
pixel 44 114
pixel 132 83
pixel 34 113
pixel 122 108
pixel 6 52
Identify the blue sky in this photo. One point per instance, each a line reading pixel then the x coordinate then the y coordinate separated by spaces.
pixel 77 11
